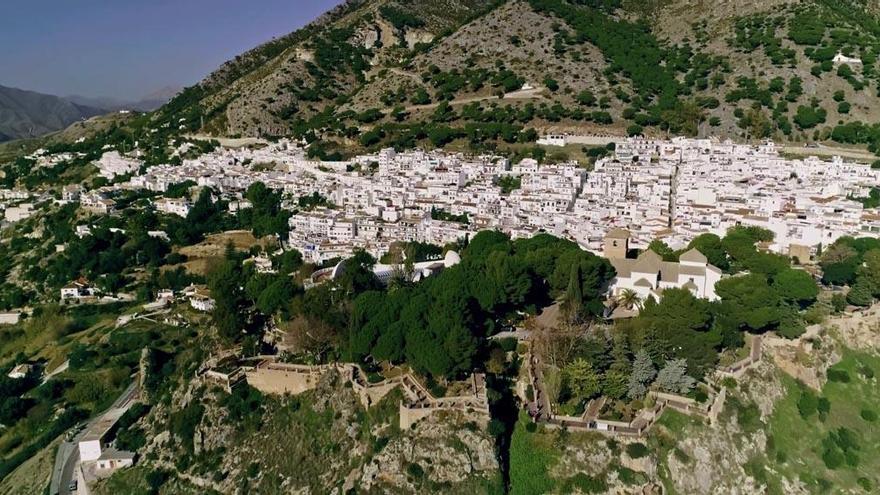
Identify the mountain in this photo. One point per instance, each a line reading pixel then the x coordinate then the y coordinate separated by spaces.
pixel 28 114
pixel 147 103
pixel 374 73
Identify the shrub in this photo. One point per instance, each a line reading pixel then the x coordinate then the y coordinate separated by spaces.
pixel 833 458
pixel 681 455
pixel 637 450
pixel 155 479
pixel 629 477
pixel 823 406
pixel 865 483
pixel 415 470
pixel 585 484
pixel 868 415
pixel 807 404
pixel 838 302
pixel 838 376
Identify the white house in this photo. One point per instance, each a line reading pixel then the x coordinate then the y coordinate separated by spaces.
pixel 71 192
pixel 261 263
pixel 201 302
pixel 77 289
pixel 843 59
pixel 112 164
pixel 96 203
pixel 112 459
pixel 173 206
pixel 20 371
pixel 10 317
pixel 552 140
pixel 18 213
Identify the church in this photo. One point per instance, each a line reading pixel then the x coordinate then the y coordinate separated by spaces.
pixel 649 275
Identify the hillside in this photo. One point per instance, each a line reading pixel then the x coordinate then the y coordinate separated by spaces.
pixel 378 73
pixel 25 114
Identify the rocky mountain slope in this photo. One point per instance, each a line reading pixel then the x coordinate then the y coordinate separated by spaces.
pixel 323 441
pixel 374 73
pixel 25 114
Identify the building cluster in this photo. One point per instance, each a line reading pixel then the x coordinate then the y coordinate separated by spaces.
pixel 672 190
pixel 16 205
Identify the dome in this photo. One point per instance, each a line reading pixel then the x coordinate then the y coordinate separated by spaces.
pixel 338 270
pixel 451 259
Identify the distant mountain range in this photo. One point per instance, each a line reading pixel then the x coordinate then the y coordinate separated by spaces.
pixel 148 103
pixel 26 114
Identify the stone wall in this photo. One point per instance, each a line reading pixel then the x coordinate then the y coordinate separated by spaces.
pixel 278 378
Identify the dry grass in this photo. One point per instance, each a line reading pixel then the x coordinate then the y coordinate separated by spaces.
pixel 33 475
pixel 202 256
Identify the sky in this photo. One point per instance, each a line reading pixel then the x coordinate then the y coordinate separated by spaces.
pixel 127 49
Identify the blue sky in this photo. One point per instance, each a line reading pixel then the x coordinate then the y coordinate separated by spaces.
pixel 129 48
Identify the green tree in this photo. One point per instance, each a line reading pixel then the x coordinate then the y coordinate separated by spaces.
pixel 226 282
pixel 581 379
pixel 643 373
pixel 573 305
pixel 869 271
pixel 749 301
pixel 860 294
pixel 615 384
pixel 711 247
pixel 661 248
pixel 674 378
pixel 795 286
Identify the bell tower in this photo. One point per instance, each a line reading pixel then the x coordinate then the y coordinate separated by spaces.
pixel 616 244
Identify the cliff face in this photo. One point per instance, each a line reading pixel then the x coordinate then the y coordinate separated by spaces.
pixel 322 441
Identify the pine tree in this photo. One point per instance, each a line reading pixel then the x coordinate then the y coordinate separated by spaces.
pixel 674 378
pixel 615 384
pixel 583 381
pixel 643 372
pixel 573 306
pixel 860 293
pixel 620 354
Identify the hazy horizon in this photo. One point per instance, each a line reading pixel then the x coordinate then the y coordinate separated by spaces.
pixel 128 50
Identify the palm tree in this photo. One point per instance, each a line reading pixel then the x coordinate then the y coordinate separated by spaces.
pixel 629 299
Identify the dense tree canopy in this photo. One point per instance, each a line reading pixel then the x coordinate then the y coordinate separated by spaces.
pixel 456 309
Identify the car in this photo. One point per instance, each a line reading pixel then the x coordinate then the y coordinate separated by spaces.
pixel 72 486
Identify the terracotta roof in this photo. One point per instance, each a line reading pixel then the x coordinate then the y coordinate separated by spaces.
pixel 622 266
pixel 693 256
pixel 698 271
pixel 648 262
pixel 669 271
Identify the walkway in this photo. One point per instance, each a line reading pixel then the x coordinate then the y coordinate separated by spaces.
pixel 539 408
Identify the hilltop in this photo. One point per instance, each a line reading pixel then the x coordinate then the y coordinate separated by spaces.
pixel 378 73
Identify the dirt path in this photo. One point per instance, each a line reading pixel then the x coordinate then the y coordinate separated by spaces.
pixel 829 151
pixel 523 94
pixel 228 142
